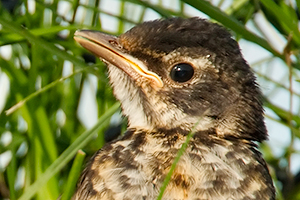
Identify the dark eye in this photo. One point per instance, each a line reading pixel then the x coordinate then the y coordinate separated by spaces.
pixel 182 72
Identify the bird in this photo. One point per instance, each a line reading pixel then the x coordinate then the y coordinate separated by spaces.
pixel 176 77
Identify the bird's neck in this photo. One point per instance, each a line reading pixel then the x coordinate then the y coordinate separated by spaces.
pixel 179 135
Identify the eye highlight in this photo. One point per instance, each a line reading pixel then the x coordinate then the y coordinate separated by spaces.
pixel 182 72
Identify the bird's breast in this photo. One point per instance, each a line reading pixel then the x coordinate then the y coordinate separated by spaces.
pixel 136 166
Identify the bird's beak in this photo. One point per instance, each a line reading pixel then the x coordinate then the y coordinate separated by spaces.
pixel 108 48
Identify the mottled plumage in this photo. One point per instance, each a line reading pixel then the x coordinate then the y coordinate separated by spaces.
pixel 163 104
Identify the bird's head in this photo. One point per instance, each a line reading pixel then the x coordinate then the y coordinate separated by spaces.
pixel 175 73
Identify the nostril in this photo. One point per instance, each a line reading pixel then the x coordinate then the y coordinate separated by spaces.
pixel 115 44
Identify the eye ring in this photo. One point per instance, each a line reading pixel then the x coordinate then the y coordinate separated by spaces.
pixel 182 72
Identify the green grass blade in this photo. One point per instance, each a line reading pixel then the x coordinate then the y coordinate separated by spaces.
pixel 68 154
pixel 47 137
pixel 51 48
pixel 287 22
pixel 11 176
pixel 160 10
pixel 232 23
pixel 176 160
pixel 35 94
pixel 173 166
pixel 14 37
pixel 73 175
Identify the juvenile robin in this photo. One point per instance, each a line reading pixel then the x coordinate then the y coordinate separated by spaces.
pixel 176 77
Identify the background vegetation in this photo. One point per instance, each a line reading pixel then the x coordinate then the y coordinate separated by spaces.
pixel 45 75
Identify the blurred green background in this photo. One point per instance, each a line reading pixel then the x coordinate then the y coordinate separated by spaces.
pixel 55 98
